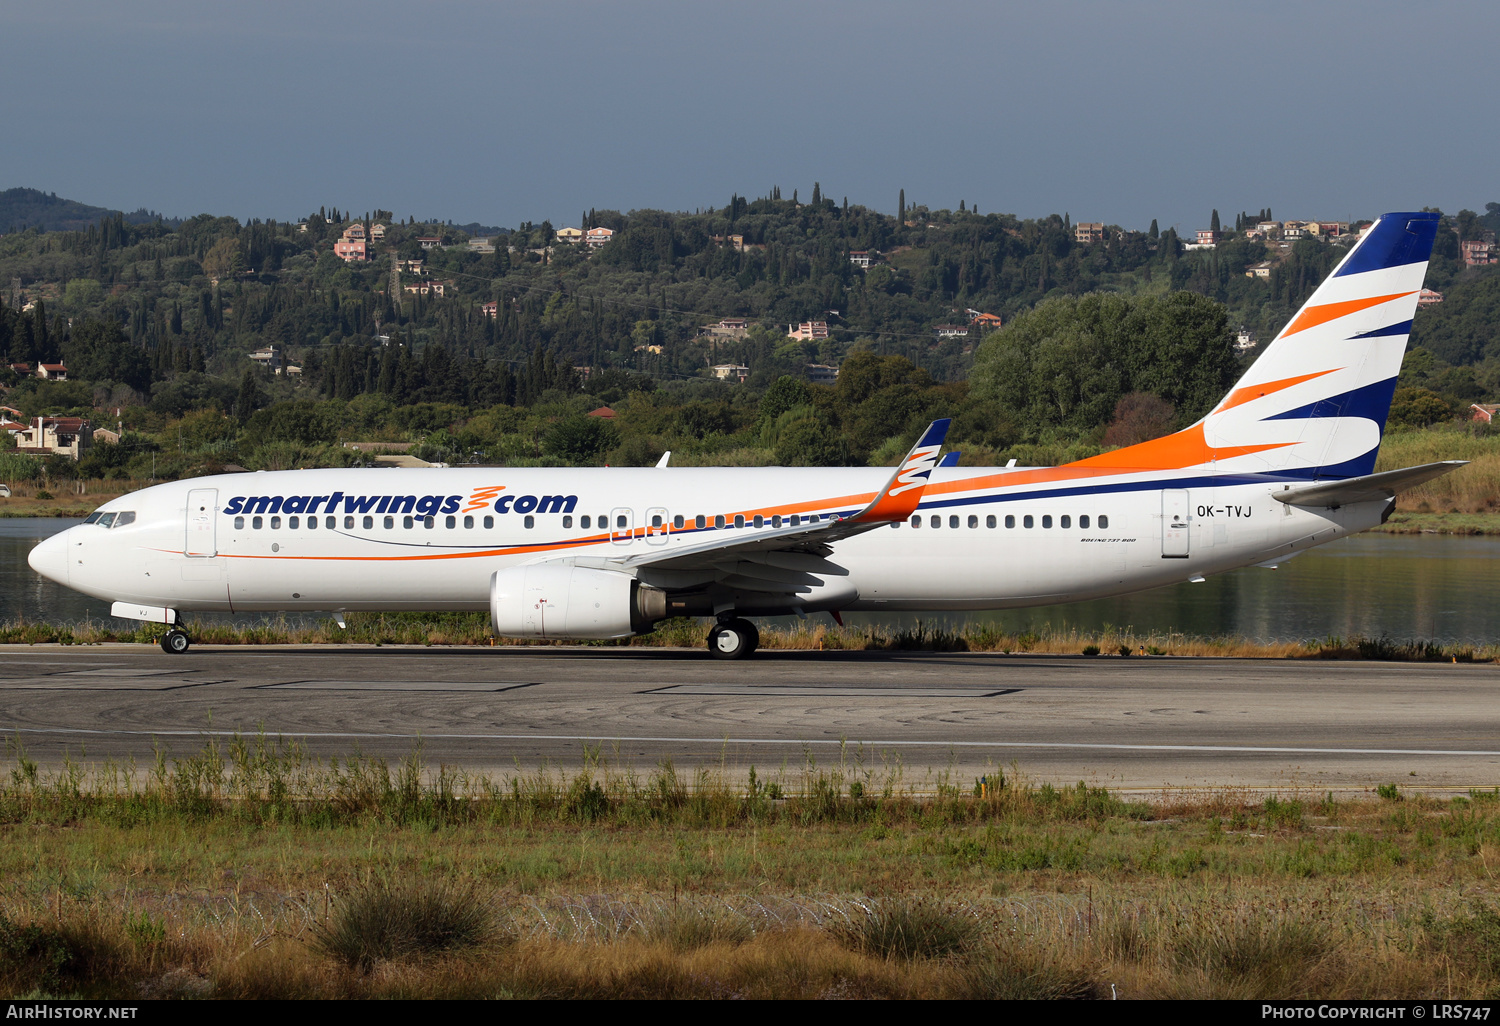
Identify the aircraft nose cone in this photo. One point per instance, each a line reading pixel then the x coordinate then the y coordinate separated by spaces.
pixel 50 558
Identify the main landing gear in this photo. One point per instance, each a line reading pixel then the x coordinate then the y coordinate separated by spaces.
pixel 735 638
pixel 175 641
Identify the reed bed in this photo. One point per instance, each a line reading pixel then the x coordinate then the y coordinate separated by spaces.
pixel 473 629
pixel 1471 489
pixel 247 868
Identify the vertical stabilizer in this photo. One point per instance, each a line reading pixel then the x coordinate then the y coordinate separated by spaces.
pixel 1314 403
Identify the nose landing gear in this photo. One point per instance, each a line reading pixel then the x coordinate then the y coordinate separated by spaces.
pixel 175 641
pixel 733 639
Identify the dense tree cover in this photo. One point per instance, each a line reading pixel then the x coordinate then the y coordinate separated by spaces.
pixel 32 208
pixel 1106 342
pixel 1068 362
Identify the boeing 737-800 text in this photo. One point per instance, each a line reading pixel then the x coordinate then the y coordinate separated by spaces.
pixel 1284 462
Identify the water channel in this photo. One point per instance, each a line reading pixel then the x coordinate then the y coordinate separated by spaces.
pixel 1405 587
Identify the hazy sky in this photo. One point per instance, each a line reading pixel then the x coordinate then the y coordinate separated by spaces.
pixel 504 112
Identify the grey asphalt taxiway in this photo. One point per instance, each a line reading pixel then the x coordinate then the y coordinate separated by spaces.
pixel 1132 723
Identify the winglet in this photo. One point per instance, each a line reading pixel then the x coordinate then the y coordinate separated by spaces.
pixel 899 498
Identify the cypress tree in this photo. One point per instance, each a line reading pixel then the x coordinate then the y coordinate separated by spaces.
pixel 901 209
pixel 1153 232
pixel 1213 222
pixel 817 194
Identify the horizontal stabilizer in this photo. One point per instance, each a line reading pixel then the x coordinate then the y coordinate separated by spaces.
pixel 1370 488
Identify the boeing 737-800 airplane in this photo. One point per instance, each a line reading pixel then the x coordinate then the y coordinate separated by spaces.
pixel 1284 462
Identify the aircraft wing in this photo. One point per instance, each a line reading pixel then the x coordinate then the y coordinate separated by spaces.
pixel 1369 488
pixel 722 549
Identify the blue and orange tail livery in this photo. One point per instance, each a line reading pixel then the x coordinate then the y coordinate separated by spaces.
pixel 1314 403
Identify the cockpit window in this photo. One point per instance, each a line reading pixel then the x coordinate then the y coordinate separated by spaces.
pixel 105 519
pixel 121 519
pixel 92 518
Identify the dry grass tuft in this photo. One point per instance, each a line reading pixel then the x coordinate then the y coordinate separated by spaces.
pixel 385 920
pixel 908 929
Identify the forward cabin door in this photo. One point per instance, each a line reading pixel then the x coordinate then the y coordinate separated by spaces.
pixel 1174 523
pixel 202 518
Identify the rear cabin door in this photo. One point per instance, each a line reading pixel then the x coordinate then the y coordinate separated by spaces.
pixel 202 517
pixel 1174 523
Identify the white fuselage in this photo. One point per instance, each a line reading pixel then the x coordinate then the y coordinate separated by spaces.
pixel 325 540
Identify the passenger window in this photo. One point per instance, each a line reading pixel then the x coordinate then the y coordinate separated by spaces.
pixel 989 521
pixel 1027 522
pixel 275 523
pixel 489 522
pixel 700 521
pixel 582 522
pixel 937 521
pixel 1083 521
pixel 776 520
pixel 450 523
pixel 620 521
pixel 256 523
pixel 1103 522
pixel 293 522
pixel 332 522
pixel 369 523
pixel 719 520
pixel 1010 521
pixel 760 521
pixel 973 521
pixel 916 520
pixel 567 522
pixel 312 523
pixel 953 521
pixel 406 523
pixel 1047 521
pixel 121 519
pixel 469 523
pixel 656 520
pixel 678 522
pixel 429 522
pixel 390 523
pixel 796 520
pixel 1065 522
pixel 739 520
pixel 603 522
pixel 814 518
pixel 239 523
pixel 530 521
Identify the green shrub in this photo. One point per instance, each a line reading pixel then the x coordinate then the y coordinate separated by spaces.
pixel 1091 650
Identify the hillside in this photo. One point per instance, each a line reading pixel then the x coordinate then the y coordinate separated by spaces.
pixel 494 351
pixel 48 212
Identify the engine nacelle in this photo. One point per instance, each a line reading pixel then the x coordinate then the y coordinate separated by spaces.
pixel 561 601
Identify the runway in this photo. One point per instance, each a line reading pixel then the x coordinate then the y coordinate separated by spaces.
pixel 1136 723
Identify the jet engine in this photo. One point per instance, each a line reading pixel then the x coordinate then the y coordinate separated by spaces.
pixel 563 601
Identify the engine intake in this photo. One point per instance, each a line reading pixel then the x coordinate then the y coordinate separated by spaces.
pixel 561 601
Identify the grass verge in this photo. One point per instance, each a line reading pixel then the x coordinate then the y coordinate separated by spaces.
pixel 251 870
